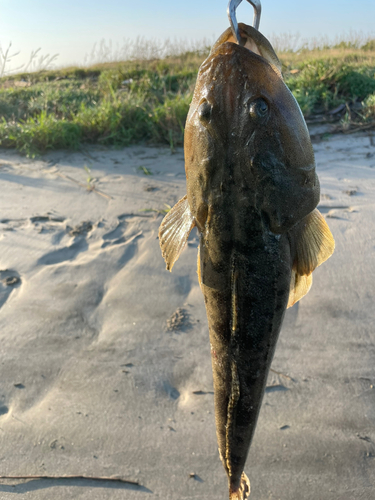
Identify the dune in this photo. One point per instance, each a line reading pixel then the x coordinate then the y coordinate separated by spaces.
pixel 105 368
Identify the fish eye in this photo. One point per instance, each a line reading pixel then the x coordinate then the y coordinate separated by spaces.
pixel 204 112
pixel 258 108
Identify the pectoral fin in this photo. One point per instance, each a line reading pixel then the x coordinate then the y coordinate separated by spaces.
pixel 174 231
pixel 313 244
pixel 299 286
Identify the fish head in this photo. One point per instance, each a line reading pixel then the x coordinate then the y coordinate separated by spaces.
pixel 246 132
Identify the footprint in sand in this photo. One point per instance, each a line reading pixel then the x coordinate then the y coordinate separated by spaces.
pixel 336 212
pixel 12 224
pixel 9 279
pixel 44 222
pixel 50 223
pixel 351 192
pixel 47 218
pixel 115 236
pixel 3 410
pixel 81 229
pixel 69 253
pixel 179 320
pixel 171 391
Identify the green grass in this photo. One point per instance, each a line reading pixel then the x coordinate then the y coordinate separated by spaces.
pixel 321 80
pixel 147 101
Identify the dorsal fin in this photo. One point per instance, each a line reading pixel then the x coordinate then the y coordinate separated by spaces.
pixel 174 231
pixel 314 244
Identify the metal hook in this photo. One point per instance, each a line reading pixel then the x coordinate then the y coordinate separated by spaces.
pixel 231 11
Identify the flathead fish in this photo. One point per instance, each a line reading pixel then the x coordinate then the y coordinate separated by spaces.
pixel 252 190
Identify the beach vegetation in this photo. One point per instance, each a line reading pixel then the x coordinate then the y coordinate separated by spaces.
pixel 369 107
pixel 145 170
pixel 142 92
pixel 159 211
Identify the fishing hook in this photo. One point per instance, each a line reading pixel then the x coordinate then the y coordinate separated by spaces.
pixel 231 11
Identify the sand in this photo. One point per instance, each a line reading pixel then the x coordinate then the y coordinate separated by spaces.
pixel 105 364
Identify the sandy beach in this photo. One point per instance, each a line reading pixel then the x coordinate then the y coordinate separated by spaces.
pixel 105 365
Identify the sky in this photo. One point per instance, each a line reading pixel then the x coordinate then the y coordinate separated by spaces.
pixel 70 28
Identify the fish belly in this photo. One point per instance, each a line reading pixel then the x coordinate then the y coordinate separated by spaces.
pixel 245 316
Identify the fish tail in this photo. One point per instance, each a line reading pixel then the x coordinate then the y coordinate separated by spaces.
pixel 241 492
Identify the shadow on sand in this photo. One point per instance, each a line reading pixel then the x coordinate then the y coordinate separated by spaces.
pixel 29 485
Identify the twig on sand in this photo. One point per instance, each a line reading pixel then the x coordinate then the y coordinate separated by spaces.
pixel 359 128
pixel 353 127
pixel 88 478
pixel 92 188
pixel 282 374
pixel 338 129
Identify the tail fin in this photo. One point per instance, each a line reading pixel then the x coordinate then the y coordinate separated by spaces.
pixel 243 491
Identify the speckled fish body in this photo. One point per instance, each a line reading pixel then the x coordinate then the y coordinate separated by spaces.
pixel 251 192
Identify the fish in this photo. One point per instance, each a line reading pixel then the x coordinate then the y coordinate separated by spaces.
pixel 252 193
